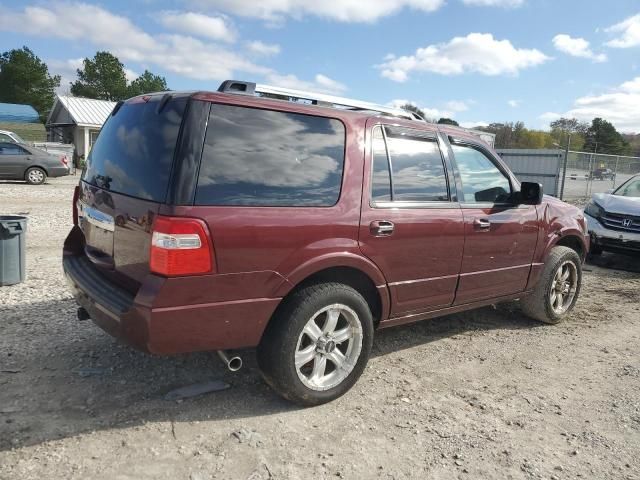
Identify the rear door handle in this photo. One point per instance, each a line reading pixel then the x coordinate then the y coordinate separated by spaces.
pixel 381 228
pixel 482 224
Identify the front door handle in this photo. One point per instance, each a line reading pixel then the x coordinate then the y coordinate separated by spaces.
pixel 482 224
pixel 381 228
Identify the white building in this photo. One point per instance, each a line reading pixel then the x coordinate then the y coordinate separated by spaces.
pixel 77 120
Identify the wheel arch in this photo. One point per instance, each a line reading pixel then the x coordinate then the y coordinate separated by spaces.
pixel 38 166
pixel 357 272
pixel 573 240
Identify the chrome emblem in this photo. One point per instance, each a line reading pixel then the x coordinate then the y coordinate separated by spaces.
pixel 626 222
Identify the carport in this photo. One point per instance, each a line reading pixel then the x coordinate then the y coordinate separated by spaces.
pixel 77 120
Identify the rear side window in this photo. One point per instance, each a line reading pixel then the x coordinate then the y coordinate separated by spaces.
pixel 133 153
pixel 12 149
pixel 268 158
pixel 411 168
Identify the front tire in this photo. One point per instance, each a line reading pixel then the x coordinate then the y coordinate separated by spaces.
pixel 318 344
pixel 558 288
pixel 35 176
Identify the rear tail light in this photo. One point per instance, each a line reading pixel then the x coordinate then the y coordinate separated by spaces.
pixel 64 161
pixel 76 197
pixel 180 246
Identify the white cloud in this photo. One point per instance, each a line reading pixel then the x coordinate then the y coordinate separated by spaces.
pixel 73 21
pixel 329 84
pixel 477 52
pixel 130 75
pixel 264 49
pixel 343 10
pixel 180 54
pixel 474 124
pixel 321 83
pixel 577 47
pixel 620 106
pixel 67 69
pixel 429 113
pixel 494 3
pixel 457 106
pixel 514 103
pixel 628 32
pixel 198 25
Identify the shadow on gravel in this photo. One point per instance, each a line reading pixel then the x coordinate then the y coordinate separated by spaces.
pixel 60 378
pixel 626 263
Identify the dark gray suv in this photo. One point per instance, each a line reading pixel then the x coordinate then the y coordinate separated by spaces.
pixel 23 162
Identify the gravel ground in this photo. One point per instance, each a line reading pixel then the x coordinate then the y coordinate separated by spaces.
pixel 485 394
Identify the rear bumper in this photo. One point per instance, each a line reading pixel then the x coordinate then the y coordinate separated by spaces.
pixel 612 240
pixel 60 171
pixel 166 330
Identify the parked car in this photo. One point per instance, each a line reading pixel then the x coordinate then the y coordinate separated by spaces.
pixel 614 219
pixel 604 174
pixel 10 137
pixel 224 220
pixel 23 162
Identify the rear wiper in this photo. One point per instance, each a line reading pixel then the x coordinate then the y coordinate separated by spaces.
pixel 116 108
pixel 163 102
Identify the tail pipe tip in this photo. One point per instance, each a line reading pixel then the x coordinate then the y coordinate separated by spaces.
pixel 233 363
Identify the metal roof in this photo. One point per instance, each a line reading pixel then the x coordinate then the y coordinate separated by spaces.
pixel 86 111
pixel 14 112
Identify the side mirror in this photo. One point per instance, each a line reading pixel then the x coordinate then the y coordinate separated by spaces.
pixel 530 193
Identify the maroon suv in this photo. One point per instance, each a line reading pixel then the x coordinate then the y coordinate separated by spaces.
pixel 227 220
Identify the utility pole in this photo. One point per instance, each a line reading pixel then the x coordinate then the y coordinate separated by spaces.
pixel 564 166
pixel 591 160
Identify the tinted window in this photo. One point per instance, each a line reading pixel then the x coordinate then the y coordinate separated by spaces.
pixel 482 181
pixel 134 152
pixel 417 169
pixel 5 138
pixel 12 149
pixel 262 157
pixel 381 183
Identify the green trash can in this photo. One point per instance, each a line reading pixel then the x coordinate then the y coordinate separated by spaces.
pixel 12 249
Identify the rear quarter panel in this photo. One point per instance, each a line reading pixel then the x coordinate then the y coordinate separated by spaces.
pixel 263 252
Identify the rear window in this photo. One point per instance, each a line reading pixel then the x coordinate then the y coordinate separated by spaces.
pixel 133 153
pixel 267 158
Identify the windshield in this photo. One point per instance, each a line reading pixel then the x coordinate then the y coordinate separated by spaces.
pixel 133 154
pixel 629 189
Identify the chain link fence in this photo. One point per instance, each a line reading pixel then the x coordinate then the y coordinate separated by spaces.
pixel 589 173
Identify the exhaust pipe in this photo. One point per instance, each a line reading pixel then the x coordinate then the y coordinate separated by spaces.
pixel 233 364
pixel 83 314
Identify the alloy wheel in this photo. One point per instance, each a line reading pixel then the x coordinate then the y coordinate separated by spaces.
pixel 563 287
pixel 328 347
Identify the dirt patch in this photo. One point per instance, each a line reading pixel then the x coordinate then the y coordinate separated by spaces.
pixel 484 394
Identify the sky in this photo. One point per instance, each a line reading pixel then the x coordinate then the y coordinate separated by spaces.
pixel 477 61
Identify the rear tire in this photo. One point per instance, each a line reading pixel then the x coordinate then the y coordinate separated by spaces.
pixel 558 288
pixel 318 344
pixel 35 176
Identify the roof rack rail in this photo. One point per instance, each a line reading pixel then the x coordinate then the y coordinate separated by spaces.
pixel 320 99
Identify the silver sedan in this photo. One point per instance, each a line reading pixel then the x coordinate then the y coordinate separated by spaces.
pixel 24 162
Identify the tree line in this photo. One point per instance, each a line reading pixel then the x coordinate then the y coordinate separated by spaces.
pixel 25 79
pixel 599 136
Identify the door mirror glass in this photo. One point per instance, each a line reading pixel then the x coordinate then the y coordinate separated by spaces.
pixel 530 193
